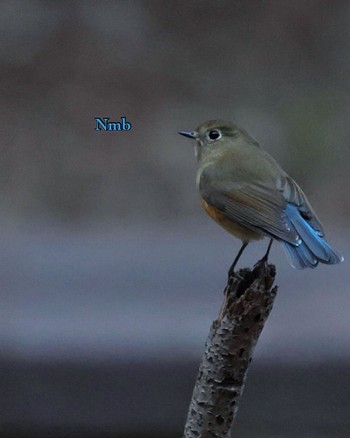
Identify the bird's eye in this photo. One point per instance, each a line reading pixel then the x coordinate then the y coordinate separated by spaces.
pixel 214 134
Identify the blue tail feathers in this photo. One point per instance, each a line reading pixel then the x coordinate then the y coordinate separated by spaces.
pixel 312 247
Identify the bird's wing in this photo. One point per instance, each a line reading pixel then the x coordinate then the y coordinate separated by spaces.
pixel 301 217
pixel 293 194
pixel 257 206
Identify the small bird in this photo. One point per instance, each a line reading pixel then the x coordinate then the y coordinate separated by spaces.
pixel 246 192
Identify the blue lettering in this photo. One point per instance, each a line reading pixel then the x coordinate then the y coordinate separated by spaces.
pixel 126 125
pixel 112 126
pixel 101 123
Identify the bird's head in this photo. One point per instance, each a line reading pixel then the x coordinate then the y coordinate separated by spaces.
pixel 215 135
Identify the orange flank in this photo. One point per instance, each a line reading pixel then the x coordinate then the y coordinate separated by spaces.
pixel 243 233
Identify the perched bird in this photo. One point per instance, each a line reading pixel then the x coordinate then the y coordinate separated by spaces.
pixel 244 189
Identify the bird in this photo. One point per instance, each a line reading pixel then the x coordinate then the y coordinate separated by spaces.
pixel 246 191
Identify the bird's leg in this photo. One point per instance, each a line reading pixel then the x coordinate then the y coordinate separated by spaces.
pixel 230 279
pixel 232 268
pixel 266 256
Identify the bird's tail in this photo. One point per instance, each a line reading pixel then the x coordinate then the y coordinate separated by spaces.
pixel 312 247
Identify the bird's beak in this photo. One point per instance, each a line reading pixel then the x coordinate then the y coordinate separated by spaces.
pixel 189 134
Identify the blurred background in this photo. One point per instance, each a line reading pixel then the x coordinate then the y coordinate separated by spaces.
pixel 111 273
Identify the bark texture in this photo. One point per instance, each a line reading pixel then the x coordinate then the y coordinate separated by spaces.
pixel 249 297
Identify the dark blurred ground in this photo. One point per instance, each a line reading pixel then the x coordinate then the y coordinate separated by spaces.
pixel 110 274
pixel 150 399
pixel 101 335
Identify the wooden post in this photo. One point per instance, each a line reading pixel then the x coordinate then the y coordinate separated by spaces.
pixel 249 297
